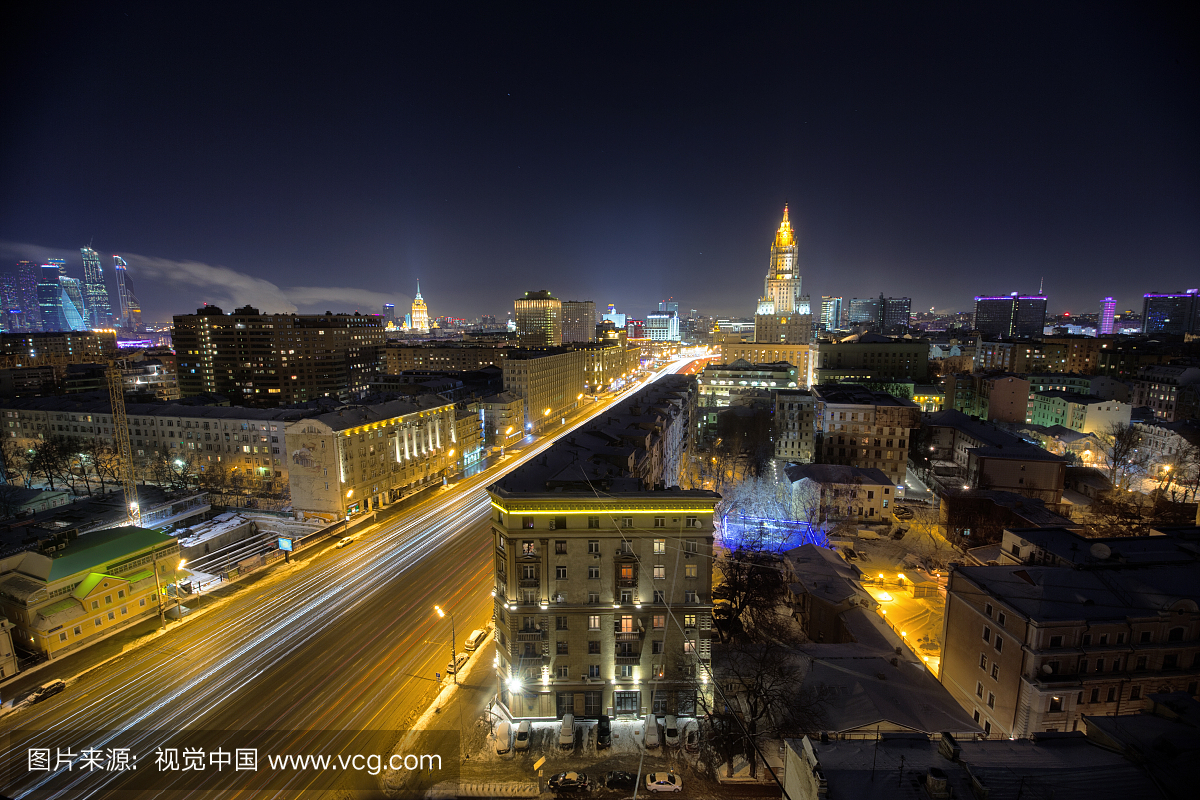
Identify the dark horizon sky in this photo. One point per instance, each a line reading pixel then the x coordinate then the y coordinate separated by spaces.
pixel 318 157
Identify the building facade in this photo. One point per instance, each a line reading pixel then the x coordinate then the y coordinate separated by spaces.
pixel 399 358
pixel 1079 412
pixel 96 291
pixel 130 310
pixel 1071 626
pixel 419 316
pixel 857 427
pixel 578 321
pixel 551 380
pixel 1011 315
pixel 1175 313
pixel 794 425
pixel 258 359
pixel 538 317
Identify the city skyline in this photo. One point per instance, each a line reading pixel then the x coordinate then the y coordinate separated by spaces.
pixel 1008 152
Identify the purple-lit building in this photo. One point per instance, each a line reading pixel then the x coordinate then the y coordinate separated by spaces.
pixel 1108 310
pixel 1174 313
pixel 1011 315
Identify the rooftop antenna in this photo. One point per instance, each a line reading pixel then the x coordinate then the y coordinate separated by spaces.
pixel 1041 282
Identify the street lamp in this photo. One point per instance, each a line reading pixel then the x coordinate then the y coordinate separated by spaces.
pixel 453 637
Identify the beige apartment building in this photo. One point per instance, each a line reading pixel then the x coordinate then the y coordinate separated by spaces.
pixel 794 425
pixel 603 601
pixel 405 357
pixel 798 355
pixel 551 381
pixel 538 316
pixel 362 458
pixel 855 426
pixel 1071 626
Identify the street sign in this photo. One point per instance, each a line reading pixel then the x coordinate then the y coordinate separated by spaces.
pixel 285 544
pixel 538 764
pixel 437 675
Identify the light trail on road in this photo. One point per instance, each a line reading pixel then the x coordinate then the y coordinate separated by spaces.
pixel 248 662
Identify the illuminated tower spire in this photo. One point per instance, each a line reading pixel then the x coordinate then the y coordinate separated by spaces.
pixel 420 313
pixel 781 289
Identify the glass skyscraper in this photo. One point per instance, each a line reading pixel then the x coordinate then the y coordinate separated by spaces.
pixel 95 292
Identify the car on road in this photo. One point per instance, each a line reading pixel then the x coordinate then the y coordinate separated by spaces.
pixel 503 737
pixel 457 664
pixel 620 780
pixel 524 733
pixel 603 732
pixel 569 782
pixel 663 782
pixel 344 542
pixel 474 640
pixel 46 691
pixel 671 731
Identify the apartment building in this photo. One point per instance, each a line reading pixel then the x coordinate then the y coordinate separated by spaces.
pixel 857 427
pixel 247 442
pixel 267 360
pixel 56 348
pixel 1171 391
pixel 603 582
pixel 578 321
pixel 398 358
pixel 798 355
pixel 608 364
pixel 78 589
pixel 1078 412
pixel 996 397
pixel 794 425
pixel 835 493
pixel 871 356
pixel 1070 626
pixel 551 381
pixel 362 458
pixel 968 454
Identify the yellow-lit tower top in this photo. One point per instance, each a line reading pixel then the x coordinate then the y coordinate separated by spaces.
pixel 420 314
pixel 782 286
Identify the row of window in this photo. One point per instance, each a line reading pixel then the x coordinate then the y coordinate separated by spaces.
pixel 99 621
pixel 1143 637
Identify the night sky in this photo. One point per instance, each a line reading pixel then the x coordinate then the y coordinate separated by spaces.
pixel 327 156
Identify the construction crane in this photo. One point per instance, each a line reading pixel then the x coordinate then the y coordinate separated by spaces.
pixel 116 396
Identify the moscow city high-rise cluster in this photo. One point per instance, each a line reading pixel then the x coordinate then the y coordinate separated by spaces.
pixel 43 297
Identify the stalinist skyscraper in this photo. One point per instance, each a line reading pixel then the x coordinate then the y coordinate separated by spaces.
pixel 420 314
pixel 784 315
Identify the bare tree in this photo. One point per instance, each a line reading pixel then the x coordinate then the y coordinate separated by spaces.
pixel 16 466
pixel 103 460
pixel 50 459
pixel 751 585
pixel 1123 459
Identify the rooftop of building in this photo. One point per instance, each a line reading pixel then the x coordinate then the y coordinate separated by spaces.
pixel 823 573
pixel 359 415
pixel 1026 453
pixel 90 552
pixel 837 473
pixel 94 403
pixel 1066 766
pixel 1072 397
pixel 742 365
pixel 856 394
pixel 531 353
pixel 1164 737
pixel 988 434
pixel 1030 509
pixel 1168 545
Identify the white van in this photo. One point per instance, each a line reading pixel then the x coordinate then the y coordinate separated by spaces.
pixel 474 640
pixel 566 734
pixel 524 732
pixel 650 738
pixel 503 737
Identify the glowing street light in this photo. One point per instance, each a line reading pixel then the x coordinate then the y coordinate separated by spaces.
pixel 453 637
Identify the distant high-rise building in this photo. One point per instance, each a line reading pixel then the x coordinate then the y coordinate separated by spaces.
pixel 668 306
pixel 389 314
pixel 29 274
pixel 864 311
pixel 420 314
pixel 49 293
pixel 129 309
pixel 539 319
pixel 578 321
pixel 783 315
pixel 1173 313
pixel 895 314
pixel 1016 315
pixel 95 291
pixel 831 313
pixel 663 327
pixel 13 316
pixel 1108 310
pixel 612 316
pixel 74 308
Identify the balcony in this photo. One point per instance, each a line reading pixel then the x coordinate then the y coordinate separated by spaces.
pixel 529 583
pixel 531 636
pixel 627 583
pixel 628 636
pixel 631 660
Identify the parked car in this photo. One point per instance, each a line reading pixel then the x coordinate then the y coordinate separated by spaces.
pixel 474 640
pixel 503 737
pixel 524 733
pixel 569 781
pixel 650 737
pixel 691 736
pixel 900 512
pixel 46 691
pixel 620 780
pixel 671 731
pixel 850 554
pixel 457 664
pixel 566 733
pixel 603 732
pixel 663 782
